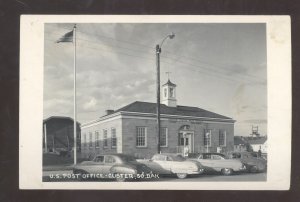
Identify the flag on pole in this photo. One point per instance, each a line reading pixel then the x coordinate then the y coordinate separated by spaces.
pixel 68 37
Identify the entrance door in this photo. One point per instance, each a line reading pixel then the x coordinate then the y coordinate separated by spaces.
pixel 186 142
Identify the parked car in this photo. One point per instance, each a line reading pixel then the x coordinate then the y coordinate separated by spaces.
pixel 253 161
pixel 120 167
pixel 169 163
pixel 218 162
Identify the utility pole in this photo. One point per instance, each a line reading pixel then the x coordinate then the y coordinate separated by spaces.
pixel 75 107
pixel 158 51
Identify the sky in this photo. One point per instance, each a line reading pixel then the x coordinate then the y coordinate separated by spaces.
pixel 218 67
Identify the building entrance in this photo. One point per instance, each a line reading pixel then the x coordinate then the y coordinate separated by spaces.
pixel 186 142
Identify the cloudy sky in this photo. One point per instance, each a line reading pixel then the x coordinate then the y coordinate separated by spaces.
pixel 217 67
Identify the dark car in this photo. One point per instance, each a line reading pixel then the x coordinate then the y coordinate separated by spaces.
pixel 253 161
pixel 120 167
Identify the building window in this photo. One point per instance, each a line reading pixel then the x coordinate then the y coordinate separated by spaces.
pixel 113 138
pixel 97 137
pixel 141 137
pixel 172 92
pixel 164 137
pixel 222 138
pixel 91 139
pixel 165 92
pixel 207 138
pixel 184 139
pixel 105 143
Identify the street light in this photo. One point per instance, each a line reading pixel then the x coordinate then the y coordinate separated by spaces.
pixel 158 51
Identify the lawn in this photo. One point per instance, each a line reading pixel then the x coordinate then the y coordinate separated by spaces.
pixel 56 160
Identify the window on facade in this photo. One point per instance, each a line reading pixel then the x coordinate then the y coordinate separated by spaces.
pixel 207 138
pixel 84 140
pixel 172 92
pixel 97 137
pixel 105 143
pixel 113 138
pixel 165 92
pixel 183 140
pixel 91 139
pixel 141 137
pixel 222 138
pixel 164 137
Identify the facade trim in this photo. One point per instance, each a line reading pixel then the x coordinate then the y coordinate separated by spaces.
pixel 151 116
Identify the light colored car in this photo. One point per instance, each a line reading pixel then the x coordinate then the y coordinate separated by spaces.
pixel 111 166
pixel 168 163
pixel 253 161
pixel 218 162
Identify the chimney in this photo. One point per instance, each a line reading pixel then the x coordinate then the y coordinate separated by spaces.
pixel 109 111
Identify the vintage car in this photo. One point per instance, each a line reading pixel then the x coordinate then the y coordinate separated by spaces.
pixel 252 160
pixel 167 163
pixel 216 162
pixel 119 167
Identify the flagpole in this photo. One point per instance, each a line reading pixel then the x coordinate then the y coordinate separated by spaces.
pixel 75 121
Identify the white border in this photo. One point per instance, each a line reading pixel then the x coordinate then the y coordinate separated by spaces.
pixel 279 102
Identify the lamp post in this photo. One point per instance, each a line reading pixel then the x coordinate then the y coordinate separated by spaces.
pixel 158 51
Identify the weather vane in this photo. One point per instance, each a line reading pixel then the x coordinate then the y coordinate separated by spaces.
pixel 168 73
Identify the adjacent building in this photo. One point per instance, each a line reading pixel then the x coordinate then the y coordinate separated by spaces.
pixel 258 143
pixel 133 129
pixel 239 144
pixel 58 134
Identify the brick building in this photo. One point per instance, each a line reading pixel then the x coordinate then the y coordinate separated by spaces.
pixel 133 129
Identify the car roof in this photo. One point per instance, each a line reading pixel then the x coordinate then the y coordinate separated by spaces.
pixel 120 155
pixel 209 153
pixel 169 154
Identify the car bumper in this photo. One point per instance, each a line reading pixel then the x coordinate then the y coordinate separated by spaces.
pixel 199 171
pixel 243 168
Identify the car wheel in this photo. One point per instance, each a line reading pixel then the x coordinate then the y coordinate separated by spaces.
pixel 227 171
pixel 253 169
pixel 181 175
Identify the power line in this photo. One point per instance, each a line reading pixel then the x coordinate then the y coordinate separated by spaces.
pixel 216 68
pixel 222 72
pixel 200 68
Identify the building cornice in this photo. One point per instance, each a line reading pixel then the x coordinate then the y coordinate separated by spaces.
pixel 175 116
pixel 152 115
pixel 103 118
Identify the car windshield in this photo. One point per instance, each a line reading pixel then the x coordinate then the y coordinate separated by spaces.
pixel 177 158
pixel 254 154
pixel 193 155
pixel 127 158
pixel 224 156
pixel 236 155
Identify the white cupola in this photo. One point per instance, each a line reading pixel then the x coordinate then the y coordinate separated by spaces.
pixel 169 94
